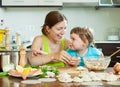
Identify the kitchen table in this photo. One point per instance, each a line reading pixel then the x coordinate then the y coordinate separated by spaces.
pixel 9 81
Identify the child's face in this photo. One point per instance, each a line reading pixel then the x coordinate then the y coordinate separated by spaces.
pixel 76 42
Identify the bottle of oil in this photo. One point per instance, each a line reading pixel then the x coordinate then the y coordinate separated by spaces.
pixel 2 34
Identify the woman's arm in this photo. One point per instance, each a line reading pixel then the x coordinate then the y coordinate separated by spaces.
pixel 37 45
pixel 46 58
pixel 39 57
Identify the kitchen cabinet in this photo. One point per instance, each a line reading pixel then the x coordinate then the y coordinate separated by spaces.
pixel 49 2
pixel 108 49
pixel 31 2
pixel 90 1
pixel 80 2
pixel 64 3
pixel 113 3
pixel 105 3
pixel 19 2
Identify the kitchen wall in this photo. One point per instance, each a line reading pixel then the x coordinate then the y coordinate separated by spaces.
pixel 28 20
pixel 1 13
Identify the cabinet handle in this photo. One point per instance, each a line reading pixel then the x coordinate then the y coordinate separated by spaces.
pixel 118 47
pixel 18 1
pixel 117 56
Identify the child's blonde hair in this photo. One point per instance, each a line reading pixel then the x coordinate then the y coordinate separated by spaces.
pixel 84 33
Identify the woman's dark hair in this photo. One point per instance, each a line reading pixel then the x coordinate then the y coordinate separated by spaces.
pixel 84 33
pixel 51 19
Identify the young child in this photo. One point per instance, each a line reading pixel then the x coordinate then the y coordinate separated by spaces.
pixel 82 44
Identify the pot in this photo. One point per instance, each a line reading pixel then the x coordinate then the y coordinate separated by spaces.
pixel 5 62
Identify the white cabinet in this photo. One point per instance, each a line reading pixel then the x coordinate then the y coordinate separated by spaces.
pixel 31 2
pixel 85 1
pixel 50 2
pixel 19 2
pixel 80 2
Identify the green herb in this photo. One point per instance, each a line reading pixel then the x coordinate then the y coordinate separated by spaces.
pixel 42 75
pixel 54 70
pixel 46 68
pixel 3 73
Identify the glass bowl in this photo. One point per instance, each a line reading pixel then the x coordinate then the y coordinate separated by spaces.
pixel 97 63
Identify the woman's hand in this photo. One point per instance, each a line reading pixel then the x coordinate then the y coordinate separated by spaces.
pixel 66 58
pixel 74 61
pixel 62 56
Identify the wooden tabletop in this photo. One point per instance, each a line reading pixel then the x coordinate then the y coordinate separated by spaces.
pixel 9 81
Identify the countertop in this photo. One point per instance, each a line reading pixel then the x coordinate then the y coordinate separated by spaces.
pixel 27 50
pixel 9 81
pixel 107 41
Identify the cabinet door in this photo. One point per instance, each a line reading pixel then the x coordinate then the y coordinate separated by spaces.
pixel 108 49
pixel 19 2
pixel 50 2
pixel 80 3
pixel 90 1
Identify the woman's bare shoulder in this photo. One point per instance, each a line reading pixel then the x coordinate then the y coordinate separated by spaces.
pixel 38 39
pixel 37 42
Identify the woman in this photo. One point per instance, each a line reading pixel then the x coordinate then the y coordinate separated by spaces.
pixel 50 46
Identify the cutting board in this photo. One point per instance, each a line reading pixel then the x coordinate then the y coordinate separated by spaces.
pixel 70 70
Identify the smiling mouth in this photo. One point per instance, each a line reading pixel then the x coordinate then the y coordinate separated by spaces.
pixel 60 37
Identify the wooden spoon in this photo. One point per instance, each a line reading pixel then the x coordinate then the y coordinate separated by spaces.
pixel 114 53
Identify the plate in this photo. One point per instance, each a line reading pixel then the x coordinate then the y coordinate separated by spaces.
pixel 93 84
pixel 14 75
pixel 47 79
pixel 31 81
pixel 21 76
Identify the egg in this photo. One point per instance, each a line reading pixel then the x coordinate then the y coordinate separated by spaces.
pixel 116 67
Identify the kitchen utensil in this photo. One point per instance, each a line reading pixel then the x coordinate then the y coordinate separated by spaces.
pixel 115 53
pixel 15 58
pixel 6 63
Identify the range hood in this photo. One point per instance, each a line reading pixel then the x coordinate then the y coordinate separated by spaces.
pixel 79 3
pixel 114 3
